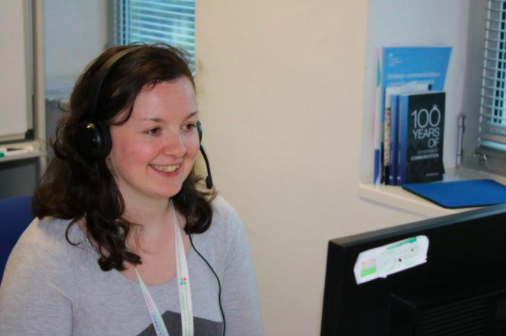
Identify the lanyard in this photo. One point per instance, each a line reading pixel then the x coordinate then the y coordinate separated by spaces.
pixel 183 285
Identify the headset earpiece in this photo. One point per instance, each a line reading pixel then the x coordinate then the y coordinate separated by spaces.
pixel 93 140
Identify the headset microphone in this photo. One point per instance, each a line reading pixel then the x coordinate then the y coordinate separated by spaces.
pixel 209 179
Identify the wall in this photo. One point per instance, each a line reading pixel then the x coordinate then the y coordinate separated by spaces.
pixel 75 33
pixel 282 96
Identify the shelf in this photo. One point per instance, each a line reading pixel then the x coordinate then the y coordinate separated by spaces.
pixel 30 155
pixel 398 198
pixel 36 152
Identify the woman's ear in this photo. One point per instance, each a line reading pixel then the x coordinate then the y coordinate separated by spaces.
pixel 107 161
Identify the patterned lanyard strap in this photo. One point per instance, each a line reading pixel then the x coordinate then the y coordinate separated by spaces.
pixel 183 285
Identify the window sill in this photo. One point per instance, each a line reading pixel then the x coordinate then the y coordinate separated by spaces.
pixel 31 155
pixel 398 198
pixel 36 152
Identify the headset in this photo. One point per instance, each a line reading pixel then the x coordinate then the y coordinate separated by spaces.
pixel 93 137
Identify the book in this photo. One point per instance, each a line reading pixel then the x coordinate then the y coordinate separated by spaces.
pixel 397 66
pixel 387 149
pixel 392 119
pixel 377 172
pixel 421 135
pixel 394 138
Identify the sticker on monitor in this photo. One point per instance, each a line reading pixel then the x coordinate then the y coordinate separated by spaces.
pixel 382 261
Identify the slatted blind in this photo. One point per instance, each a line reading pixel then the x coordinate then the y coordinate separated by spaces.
pixel 492 128
pixel 151 21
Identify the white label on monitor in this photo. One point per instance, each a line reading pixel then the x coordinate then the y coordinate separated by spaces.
pixel 392 258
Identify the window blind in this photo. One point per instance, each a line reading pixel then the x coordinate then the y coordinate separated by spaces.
pixel 151 21
pixel 492 121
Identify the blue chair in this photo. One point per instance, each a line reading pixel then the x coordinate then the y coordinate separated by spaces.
pixel 15 216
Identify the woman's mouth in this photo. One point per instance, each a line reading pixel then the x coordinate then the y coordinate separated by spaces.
pixel 165 169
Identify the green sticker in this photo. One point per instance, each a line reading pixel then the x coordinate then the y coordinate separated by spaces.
pixel 368 271
pixel 404 242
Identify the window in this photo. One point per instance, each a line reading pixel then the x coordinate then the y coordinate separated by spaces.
pixel 492 120
pixel 151 21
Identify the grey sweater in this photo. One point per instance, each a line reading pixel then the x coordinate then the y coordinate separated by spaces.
pixel 53 288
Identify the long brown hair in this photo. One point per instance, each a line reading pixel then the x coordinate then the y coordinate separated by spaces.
pixel 83 191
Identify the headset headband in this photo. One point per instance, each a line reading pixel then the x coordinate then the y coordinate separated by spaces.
pixel 99 80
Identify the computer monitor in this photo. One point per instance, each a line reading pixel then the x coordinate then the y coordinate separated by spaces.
pixel 459 290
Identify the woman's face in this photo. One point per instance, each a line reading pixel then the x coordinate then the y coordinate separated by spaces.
pixel 154 151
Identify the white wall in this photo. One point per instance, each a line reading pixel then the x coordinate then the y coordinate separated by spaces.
pixel 75 33
pixel 282 96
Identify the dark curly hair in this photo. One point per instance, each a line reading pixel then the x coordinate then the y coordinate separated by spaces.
pixel 85 191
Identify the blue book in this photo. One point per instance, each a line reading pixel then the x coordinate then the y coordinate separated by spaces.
pixel 421 136
pixel 398 66
pixel 392 104
pixel 394 138
pixel 403 65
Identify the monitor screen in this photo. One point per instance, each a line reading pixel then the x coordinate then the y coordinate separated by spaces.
pixel 443 276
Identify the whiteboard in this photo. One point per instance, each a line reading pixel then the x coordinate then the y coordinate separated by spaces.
pixel 15 69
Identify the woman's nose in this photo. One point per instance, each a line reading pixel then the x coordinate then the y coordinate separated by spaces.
pixel 174 145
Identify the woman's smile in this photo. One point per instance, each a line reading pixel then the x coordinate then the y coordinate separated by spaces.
pixel 166 169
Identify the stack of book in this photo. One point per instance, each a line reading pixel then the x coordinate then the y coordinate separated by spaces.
pixel 410 114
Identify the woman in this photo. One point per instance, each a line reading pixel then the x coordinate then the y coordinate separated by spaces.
pixel 123 225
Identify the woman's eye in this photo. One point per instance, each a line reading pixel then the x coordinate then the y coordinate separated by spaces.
pixel 154 131
pixel 189 127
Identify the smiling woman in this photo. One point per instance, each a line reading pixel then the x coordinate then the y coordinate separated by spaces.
pixel 123 225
